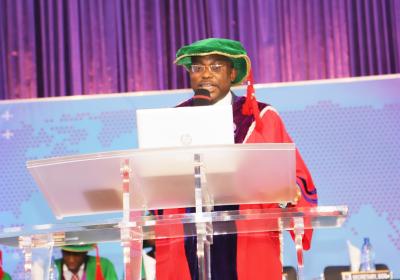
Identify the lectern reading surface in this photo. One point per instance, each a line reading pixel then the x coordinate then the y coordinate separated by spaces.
pixel 163 178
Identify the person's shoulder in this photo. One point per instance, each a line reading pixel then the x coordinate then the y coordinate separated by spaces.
pixel 103 261
pixel 93 259
pixel 240 100
pixel 263 107
pixel 6 276
pixel 107 267
pixel 57 262
pixel 270 114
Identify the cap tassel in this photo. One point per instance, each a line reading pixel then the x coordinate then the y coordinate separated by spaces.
pixel 99 272
pixel 250 106
pixel 1 265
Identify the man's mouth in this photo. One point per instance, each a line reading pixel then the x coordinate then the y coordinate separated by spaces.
pixel 207 86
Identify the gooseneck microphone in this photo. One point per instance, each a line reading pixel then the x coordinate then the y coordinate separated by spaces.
pixel 201 97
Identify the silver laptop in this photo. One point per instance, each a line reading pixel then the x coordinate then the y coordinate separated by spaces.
pixel 185 126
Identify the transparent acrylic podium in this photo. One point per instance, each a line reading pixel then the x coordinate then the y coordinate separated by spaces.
pixel 201 177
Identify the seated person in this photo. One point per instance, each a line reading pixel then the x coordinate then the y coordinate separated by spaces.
pixel 3 275
pixel 76 264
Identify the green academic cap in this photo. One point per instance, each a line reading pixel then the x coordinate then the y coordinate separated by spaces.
pixel 225 47
pixel 241 62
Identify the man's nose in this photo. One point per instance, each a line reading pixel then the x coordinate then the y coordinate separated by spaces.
pixel 207 72
pixel 69 259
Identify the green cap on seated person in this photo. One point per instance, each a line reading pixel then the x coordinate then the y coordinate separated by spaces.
pixel 79 248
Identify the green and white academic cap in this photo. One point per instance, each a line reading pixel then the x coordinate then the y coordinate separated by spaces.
pixel 79 248
pixel 241 62
pixel 217 46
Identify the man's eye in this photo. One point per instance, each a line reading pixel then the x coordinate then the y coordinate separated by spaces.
pixel 197 68
pixel 216 68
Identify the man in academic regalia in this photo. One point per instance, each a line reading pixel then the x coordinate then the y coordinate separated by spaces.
pixel 215 65
pixel 76 264
pixel 3 275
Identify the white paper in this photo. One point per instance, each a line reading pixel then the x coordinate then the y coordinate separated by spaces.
pixel 355 256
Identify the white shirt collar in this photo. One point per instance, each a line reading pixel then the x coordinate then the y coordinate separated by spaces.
pixel 68 274
pixel 227 100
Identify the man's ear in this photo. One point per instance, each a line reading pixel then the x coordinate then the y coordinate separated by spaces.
pixel 233 74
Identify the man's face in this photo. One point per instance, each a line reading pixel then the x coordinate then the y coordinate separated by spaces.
pixel 73 260
pixel 216 76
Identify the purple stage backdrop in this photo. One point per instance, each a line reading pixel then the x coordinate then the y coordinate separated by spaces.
pixel 58 48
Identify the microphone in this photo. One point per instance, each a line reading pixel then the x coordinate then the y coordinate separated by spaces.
pixel 201 97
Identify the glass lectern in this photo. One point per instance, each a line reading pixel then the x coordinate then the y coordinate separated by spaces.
pixel 135 181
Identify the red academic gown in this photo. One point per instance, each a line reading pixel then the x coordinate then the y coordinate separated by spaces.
pixel 257 255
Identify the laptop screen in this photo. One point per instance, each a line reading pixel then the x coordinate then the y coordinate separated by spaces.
pixel 185 126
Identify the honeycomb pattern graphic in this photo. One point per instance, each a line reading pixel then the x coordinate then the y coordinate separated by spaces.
pixel 62 137
pixel 16 184
pixel 115 124
pixel 352 153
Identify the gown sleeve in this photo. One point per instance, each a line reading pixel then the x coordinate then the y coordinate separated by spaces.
pixel 274 131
